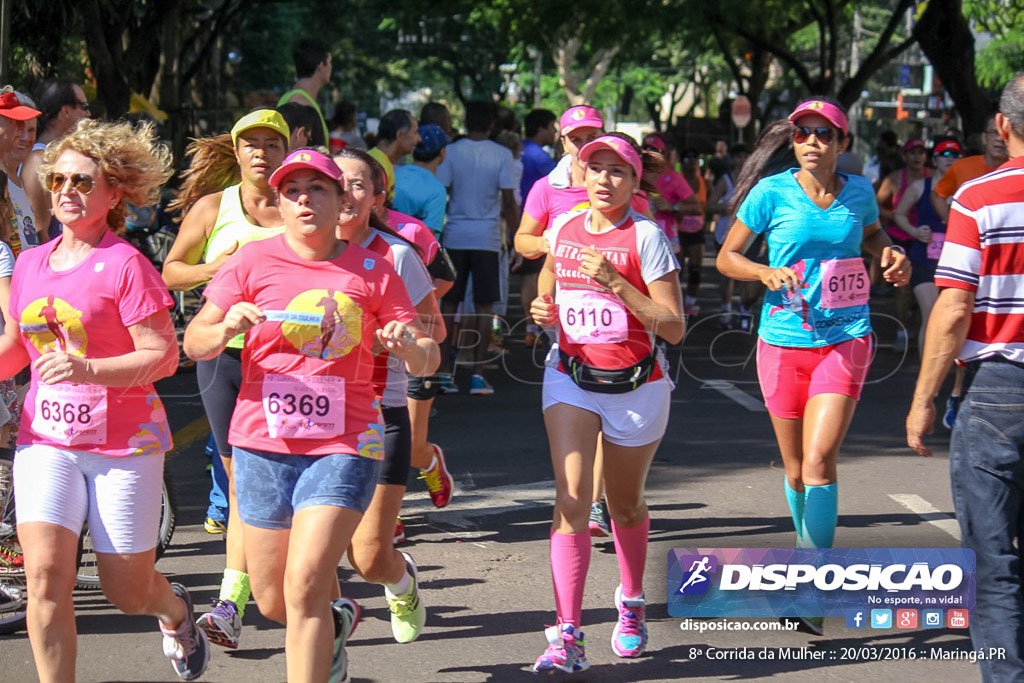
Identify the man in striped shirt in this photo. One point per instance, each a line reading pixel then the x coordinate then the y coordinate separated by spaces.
pixel 979 318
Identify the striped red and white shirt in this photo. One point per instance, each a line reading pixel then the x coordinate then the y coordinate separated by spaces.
pixel 984 254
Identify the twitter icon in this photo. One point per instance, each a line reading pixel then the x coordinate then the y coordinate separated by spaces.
pixel 881 618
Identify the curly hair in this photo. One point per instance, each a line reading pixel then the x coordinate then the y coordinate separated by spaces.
pixel 130 156
pixel 212 168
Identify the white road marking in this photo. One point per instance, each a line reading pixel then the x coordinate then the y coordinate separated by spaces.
pixel 729 390
pixel 928 512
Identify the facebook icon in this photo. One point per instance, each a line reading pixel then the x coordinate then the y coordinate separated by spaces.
pixel 856 618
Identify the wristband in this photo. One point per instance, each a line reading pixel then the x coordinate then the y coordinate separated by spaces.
pixel 896 247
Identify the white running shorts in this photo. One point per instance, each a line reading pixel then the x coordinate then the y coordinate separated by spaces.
pixel 635 418
pixel 119 496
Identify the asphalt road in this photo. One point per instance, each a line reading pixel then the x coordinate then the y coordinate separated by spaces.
pixel 716 482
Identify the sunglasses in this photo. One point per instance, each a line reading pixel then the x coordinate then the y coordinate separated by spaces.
pixel 84 106
pixel 81 182
pixel 949 153
pixel 824 134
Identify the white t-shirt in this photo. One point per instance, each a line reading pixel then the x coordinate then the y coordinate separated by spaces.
pixel 24 219
pixel 6 269
pixel 418 282
pixel 475 172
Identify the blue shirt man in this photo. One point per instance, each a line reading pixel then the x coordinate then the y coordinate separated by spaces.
pixel 539 127
pixel 418 192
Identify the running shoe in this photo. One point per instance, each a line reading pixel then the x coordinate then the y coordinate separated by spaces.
pixel 12 561
pixel 478 386
pixel 629 638
pixel 215 526
pixel 726 320
pixel 186 646
pixel 222 624
pixel 600 520
pixel 407 611
pixel 565 651
pixel 438 480
pixel 691 307
pixel 448 385
pixel 11 599
pixel 346 617
pixel 900 345
pixel 744 320
pixel 399 532
pixel 952 408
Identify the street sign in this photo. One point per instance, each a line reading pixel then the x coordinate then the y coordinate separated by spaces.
pixel 741 111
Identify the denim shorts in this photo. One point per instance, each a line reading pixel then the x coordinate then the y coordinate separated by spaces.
pixel 272 487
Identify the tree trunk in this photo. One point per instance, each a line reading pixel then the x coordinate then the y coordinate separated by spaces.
pixel 103 43
pixel 946 39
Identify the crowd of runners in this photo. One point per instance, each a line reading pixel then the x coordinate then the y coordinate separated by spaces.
pixel 340 286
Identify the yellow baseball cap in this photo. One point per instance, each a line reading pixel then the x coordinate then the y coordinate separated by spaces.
pixel 261 118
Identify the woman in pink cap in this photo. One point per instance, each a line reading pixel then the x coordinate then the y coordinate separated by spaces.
pixel 675 198
pixel 605 382
pixel 814 347
pixel 561 191
pixel 306 431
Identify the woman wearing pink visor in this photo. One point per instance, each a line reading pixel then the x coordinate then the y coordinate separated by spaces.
pixel 814 345
pixel 306 431
pixel 605 380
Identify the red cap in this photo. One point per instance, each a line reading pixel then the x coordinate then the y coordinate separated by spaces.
pixel 913 143
pixel 946 145
pixel 12 108
pixel 655 140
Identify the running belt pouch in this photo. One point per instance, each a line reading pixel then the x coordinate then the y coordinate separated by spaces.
pixel 442 268
pixel 600 381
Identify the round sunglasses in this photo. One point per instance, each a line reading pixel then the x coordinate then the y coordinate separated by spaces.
pixel 79 181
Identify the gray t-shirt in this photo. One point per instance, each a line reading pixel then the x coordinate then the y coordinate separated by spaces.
pixel 475 172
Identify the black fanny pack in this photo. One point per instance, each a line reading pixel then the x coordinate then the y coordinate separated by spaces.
pixel 607 381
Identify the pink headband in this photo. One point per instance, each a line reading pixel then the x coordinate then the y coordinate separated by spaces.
pixel 834 115
pixel 623 149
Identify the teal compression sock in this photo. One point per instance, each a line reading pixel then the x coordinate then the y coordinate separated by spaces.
pixel 821 512
pixel 796 508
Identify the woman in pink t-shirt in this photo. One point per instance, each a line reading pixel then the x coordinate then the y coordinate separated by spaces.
pixel 306 432
pixel 90 314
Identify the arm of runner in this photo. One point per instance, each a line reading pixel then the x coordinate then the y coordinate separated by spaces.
pixel 182 268
pixel 430 317
pixel 411 343
pixel 947 329
pixel 529 239
pixel 543 309
pixel 155 357
pixel 13 356
pixel 886 191
pixel 212 328
pixel 895 266
pixel 941 205
pixel 690 207
pixel 714 204
pixel 732 263
pixel 661 312
pixel 509 209
pixel 907 202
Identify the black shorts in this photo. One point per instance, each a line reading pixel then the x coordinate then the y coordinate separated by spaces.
pixel 531 266
pixel 397 446
pixel 691 239
pixel 220 380
pixel 484 267
pixel 424 388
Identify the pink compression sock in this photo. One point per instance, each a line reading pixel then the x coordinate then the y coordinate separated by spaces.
pixel 570 559
pixel 631 549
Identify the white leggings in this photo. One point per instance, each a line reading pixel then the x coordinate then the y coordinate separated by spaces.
pixel 119 496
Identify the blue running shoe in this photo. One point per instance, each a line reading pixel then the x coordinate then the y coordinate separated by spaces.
pixel 565 651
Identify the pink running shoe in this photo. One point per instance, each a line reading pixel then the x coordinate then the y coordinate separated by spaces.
pixel 565 651
pixel 629 638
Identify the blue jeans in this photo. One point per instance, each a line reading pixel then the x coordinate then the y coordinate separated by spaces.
pixel 986 464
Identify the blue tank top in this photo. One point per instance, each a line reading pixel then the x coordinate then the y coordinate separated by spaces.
pixel 926 215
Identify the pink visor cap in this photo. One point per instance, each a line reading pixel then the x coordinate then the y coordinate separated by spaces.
pixel 578 117
pixel 834 115
pixel 623 149
pixel 655 140
pixel 306 158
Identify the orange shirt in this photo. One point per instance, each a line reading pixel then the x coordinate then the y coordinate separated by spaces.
pixel 960 172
